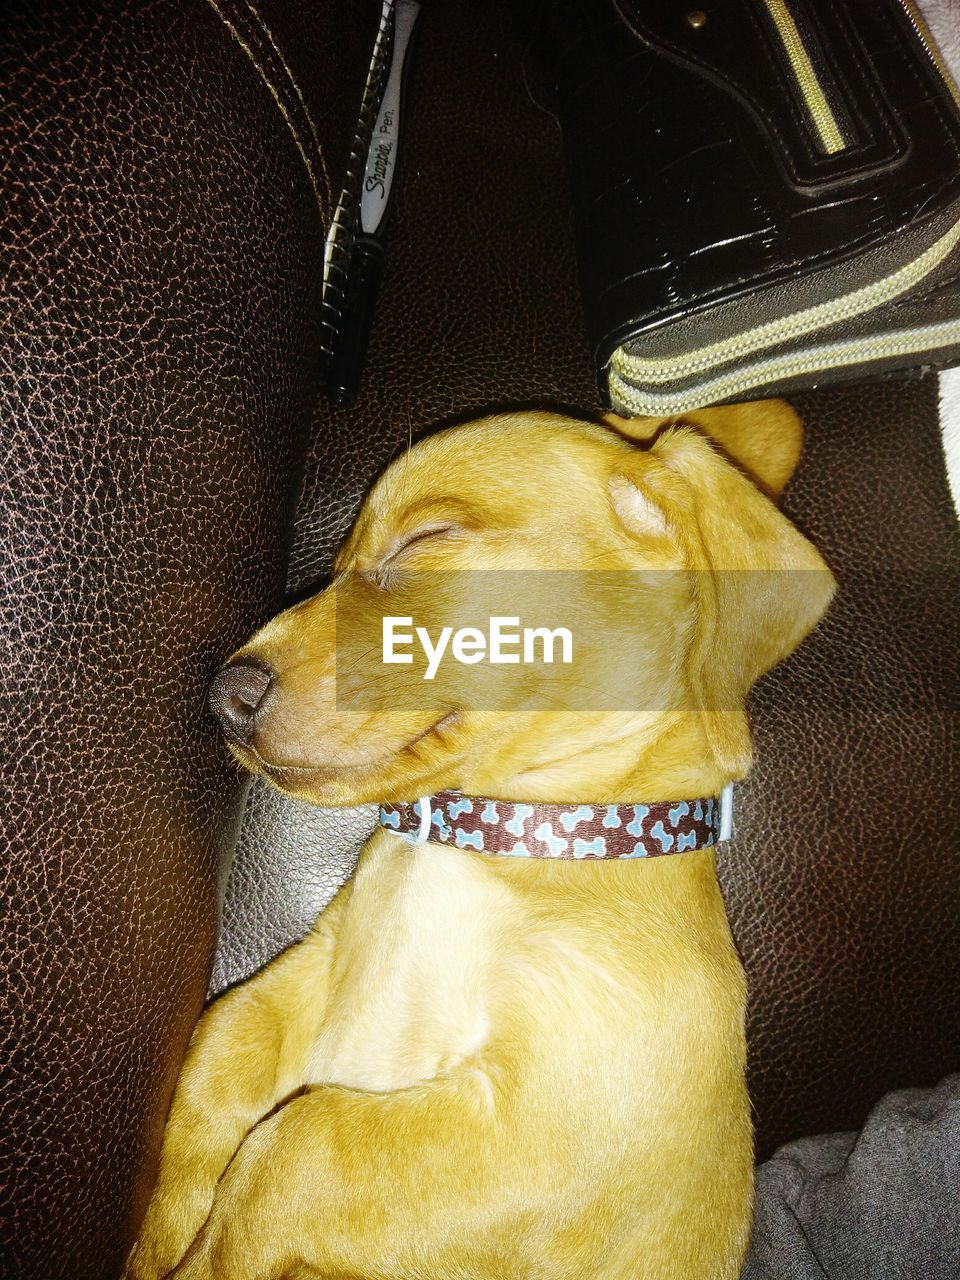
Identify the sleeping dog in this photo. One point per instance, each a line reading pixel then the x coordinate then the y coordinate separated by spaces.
pixel 500 1054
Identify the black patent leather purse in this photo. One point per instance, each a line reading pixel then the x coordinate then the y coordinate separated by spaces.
pixel 766 192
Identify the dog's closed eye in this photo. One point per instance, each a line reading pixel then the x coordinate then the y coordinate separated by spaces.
pixel 380 573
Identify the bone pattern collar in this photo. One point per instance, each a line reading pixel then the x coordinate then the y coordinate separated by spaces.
pixel 588 832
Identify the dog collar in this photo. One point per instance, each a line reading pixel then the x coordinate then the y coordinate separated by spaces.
pixel 581 831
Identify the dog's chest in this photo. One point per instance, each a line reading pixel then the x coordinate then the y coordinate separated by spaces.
pixel 408 998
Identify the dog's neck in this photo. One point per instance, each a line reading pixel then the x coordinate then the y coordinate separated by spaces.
pixel 675 760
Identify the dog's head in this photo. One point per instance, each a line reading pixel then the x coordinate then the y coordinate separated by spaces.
pixel 723 587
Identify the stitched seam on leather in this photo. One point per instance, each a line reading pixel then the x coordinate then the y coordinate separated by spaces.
pixel 322 205
pixel 946 114
pixel 299 92
pixel 870 84
pixel 877 129
pixel 916 19
pixel 804 126
pixel 700 65
pixel 816 82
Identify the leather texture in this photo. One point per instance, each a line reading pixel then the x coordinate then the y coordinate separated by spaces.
pixel 842 880
pixel 705 205
pixel 164 208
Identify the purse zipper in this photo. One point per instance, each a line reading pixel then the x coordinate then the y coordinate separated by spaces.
pixel 796 325
pixel 649 401
pixel 828 131
pixel 765 373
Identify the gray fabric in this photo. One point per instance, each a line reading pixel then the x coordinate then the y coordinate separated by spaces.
pixel 881 1204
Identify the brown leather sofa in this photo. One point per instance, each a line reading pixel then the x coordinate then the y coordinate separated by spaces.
pixel 171 170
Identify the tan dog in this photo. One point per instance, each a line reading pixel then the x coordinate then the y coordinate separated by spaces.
pixel 495 1068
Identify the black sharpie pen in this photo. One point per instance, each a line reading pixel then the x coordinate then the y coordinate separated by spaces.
pixel 366 258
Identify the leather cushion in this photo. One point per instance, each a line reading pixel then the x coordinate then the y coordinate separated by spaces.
pixel 160 358
pixel 843 884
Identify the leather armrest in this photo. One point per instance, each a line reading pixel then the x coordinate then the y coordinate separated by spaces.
pixel 168 193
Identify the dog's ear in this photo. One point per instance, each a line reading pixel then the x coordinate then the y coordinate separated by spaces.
pixel 642 505
pixel 764 438
pixel 759 585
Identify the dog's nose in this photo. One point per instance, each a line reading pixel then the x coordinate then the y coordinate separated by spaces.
pixel 236 695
